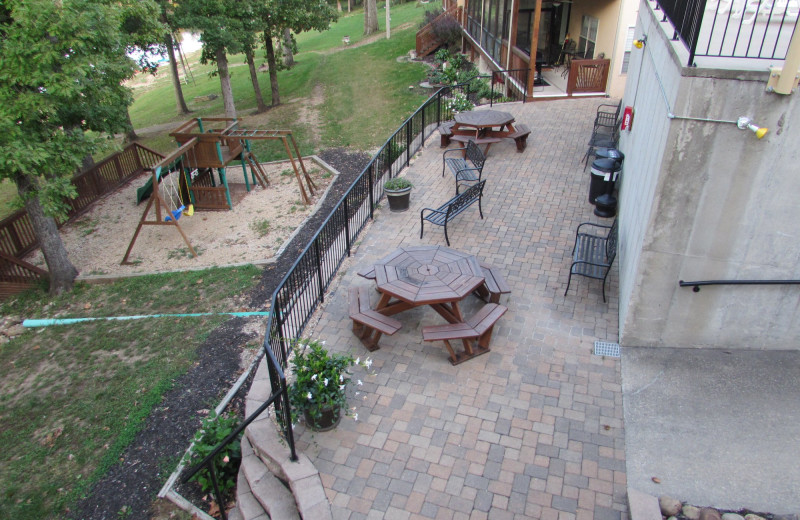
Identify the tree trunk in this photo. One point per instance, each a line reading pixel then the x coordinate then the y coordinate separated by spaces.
pixel 349 5
pixel 288 55
pixel 370 17
pixel 62 272
pixel 130 132
pixel 176 79
pixel 261 106
pixel 225 83
pixel 339 5
pixel 273 69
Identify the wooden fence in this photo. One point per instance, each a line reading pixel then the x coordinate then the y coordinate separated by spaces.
pixel 16 231
pixel 17 237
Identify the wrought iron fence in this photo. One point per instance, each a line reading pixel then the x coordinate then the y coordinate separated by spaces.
pixel 754 29
pixel 303 288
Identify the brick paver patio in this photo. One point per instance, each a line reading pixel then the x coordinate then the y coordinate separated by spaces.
pixel 532 429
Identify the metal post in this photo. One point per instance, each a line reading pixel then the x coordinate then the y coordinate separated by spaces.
pixel 371 184
pixel 408 142
pixel 319 270
pixel 347 225
pixel 220 502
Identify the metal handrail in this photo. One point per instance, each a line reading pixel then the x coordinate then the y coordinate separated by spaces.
pixel 697 284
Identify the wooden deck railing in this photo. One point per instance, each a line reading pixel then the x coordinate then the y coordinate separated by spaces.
pixel 588 76
pixel 16 231
pixel 17 275
pixel 426 39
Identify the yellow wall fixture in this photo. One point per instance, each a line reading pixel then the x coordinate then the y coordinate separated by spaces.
pixel 640 43
pixel 745 123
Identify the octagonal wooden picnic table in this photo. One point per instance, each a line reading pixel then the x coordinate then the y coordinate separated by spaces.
pixel 427 275
pixel 483 127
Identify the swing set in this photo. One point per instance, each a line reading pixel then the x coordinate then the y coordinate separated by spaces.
pixel 205 145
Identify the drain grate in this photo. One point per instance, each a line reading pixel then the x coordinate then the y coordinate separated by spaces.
pixel 604 348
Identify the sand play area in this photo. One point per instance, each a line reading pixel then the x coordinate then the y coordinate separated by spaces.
pixel 259 225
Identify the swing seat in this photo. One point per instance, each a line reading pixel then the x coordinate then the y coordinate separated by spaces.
pixel 176 214
pixel 190 210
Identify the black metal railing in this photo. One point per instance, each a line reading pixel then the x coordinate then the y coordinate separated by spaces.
pixel 755 29
pixel 697 284
pixel 302 289
pixel 283 411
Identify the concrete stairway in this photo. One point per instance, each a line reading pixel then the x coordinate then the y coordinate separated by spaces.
pixel 270 486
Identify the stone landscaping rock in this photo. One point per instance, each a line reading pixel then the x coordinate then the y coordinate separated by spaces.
pixel 691 512
pixel 708 513
pixel 732 516
pixel 669 506
pixel 753 516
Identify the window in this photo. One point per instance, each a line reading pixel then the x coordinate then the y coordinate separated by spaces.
pixel 588 36
pixel 628 46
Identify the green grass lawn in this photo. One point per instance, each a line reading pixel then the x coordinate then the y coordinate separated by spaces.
pixel 73 397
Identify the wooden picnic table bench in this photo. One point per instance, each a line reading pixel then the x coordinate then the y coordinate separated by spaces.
pixel 520 136
pixel 368 325
pixel 446 131
pixel 493 286
pixel 477 327
pixel 450 209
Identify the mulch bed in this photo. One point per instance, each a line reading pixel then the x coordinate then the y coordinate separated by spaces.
pixel 132 484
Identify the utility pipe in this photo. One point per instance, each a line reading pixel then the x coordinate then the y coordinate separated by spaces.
pixel 69 321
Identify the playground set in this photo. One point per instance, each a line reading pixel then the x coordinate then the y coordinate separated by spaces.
pixel 184 181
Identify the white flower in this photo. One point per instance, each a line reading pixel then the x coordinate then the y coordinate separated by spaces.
pixel 309 396
pixel 314 377
pixel 368 363
pixel 360 383
pixel 323 342
pixel 341 387
pixel 341 378
pixel 325 382
pixel 358 361
pixel 355 416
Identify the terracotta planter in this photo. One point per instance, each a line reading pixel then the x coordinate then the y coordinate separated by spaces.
pixel 399 200
pixel 328 420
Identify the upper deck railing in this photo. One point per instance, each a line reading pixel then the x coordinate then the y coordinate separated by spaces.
pixel 733 29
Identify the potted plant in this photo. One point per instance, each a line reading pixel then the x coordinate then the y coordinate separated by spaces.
pixel 398 192
pixel 319 385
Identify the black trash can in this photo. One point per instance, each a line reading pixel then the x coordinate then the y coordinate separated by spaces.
pixel 604 174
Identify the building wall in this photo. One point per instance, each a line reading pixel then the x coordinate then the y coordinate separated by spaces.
pixel 702 200
pixel 614 18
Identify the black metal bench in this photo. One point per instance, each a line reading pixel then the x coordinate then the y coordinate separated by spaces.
pixel 448 211
pixel 478 327
pixel 368 325
pixel 468 168
pixel 592 254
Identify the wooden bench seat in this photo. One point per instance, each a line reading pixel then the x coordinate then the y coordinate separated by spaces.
pixel 368 325
pixel 367 272
pixel 477 328
pixel 450 209
pixel 494 285
pixel 476 140
pixel 446 131
pixel 520 136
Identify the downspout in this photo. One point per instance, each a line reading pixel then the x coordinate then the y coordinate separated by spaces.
pixel 787 82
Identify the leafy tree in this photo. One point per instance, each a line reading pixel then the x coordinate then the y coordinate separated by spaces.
pixel 221 22
pixel 62 65
pixel 276 16
pixel 168 19
pixel 370 17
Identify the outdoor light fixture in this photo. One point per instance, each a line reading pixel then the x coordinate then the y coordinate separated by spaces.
pixel 640 42
pixel 745 123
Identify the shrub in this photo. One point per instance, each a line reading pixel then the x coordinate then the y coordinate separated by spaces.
pixel 397 183
pixel 213 431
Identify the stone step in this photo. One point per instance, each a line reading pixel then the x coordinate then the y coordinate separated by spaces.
pixel 274 498
pixel 265 453
pixel 235 514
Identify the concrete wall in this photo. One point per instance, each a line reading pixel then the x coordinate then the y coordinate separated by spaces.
pixel 702 200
